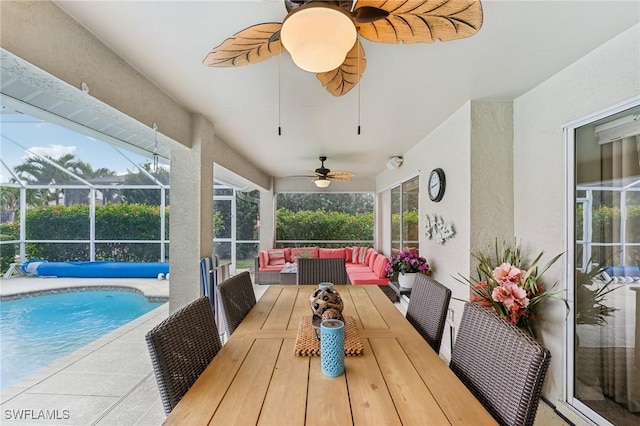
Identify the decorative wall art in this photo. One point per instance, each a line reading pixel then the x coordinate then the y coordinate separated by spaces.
pixel 434 227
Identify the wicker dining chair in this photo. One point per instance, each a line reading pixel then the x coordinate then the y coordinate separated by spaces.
pixel 237 297
pixel 427 310
pixel 315 271
pixel 181 347
pixel 500 364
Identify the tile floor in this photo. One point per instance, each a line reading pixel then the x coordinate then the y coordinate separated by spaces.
pixel 110 381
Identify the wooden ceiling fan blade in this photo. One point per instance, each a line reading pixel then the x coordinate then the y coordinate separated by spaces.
pixel 422 21
pixel 366 14
pixel 249 46
pixel 339 178
pixel 344 78
pixel 341 174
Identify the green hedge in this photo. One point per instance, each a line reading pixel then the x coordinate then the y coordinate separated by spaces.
pixel 8 232
pixel 411 221
pixel 321 225
pixel 121 221
pixel 606 228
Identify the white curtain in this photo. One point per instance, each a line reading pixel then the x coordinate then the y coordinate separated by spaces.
pixel 618 338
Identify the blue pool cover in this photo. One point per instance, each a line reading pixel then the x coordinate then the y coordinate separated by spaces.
pixel 101 269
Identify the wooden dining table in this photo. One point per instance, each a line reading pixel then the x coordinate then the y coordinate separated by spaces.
pixel 257 379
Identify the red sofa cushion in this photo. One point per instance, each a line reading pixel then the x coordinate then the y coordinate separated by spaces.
pixel 276 257
pixel 348 254
pixel 272 268
pixel 360 278
pixel 297 251
pixel 367 256
pixel 263 256
pixel 356 267
pixel 372 259
pixel 380 266
pixel 328 253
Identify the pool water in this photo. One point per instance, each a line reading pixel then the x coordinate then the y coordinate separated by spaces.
pixel 36 331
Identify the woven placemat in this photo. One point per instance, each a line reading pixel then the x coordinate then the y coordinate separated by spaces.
pixel 307 344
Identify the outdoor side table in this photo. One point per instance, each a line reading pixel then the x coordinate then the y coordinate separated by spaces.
pixel 400 291
pixel 289 275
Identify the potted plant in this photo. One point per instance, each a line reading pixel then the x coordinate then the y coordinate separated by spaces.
pixel 510 287
pixel 406 265
pixel 591 289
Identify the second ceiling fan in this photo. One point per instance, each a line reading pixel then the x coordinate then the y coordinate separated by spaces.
pixel 324 177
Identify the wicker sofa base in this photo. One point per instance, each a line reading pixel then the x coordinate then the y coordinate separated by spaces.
pixel 267 277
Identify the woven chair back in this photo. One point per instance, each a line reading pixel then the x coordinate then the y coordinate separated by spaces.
pixel 237 297
pixel 181 347
pixel 500 364
pixel 315 271
pixel 427 310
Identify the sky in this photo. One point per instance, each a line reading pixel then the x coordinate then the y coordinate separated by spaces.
pixel 45 138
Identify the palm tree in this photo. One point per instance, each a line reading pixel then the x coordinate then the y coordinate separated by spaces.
pixel 38 171
pixel 145 196
pixel 9 203
pixel 85 171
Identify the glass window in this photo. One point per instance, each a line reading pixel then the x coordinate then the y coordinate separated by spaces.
pixel 325 220
pixel 410 202
pixel 405 200
pixel 396 218
pixel 236 231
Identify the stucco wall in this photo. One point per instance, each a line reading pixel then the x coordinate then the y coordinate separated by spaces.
pixel 447 147
pixel 603 78
pixel 474 147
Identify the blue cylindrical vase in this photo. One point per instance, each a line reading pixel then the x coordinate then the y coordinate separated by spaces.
pixel 332 347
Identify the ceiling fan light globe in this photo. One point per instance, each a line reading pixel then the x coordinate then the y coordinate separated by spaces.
pixel 322 183
pixel 318 36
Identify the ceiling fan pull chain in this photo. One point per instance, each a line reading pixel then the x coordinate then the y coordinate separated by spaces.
pixel 279 83
pixel 359 85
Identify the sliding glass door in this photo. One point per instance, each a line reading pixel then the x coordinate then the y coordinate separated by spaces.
pixel 604 379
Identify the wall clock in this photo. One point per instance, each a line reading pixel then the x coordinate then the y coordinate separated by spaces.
pixel 437 185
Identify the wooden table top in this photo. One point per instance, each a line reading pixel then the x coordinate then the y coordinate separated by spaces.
pixel 257 379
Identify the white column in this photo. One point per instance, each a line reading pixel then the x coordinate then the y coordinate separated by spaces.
pixel 267 219
pixel 191 218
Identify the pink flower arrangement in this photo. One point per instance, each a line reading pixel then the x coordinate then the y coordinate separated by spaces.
pixel 512 290
pixel 407 262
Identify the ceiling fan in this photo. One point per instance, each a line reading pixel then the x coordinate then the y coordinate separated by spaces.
pixel 324 177
pixel 322 36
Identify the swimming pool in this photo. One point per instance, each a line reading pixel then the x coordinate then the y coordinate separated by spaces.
pixel 36 331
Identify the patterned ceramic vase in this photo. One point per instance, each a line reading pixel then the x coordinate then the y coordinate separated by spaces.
pixel 332 347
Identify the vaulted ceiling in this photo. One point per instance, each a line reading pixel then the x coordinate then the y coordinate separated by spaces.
pixel 406 91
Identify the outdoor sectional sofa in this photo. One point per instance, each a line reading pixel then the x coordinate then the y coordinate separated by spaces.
pixel 363 266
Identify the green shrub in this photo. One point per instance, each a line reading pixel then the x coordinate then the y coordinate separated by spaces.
pixel 321 225
pixel 121 221
pixel 9 231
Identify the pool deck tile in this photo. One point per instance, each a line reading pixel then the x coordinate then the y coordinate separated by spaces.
pixel 150 287
pixel 85 383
